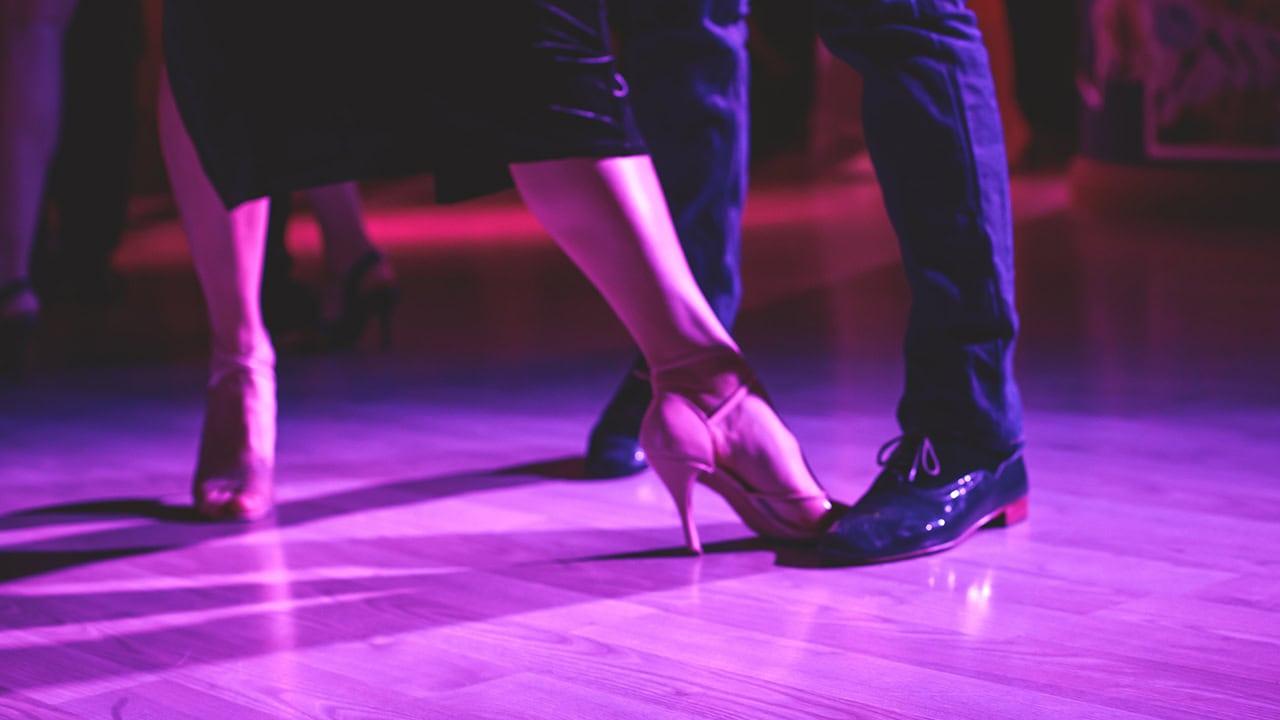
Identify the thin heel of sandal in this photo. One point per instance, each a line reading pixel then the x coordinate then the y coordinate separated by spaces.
pixel 1012 514
pixel 680 477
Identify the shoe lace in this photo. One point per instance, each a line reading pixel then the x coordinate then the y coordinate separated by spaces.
pixel 894 455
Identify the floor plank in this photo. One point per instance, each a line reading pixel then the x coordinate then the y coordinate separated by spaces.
pixel 437 554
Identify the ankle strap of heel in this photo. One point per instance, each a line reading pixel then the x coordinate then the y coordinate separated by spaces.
pixel 715 380
pixel 694 358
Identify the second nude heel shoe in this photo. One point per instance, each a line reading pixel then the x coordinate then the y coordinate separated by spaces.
pixel 363 301
pixel 742 451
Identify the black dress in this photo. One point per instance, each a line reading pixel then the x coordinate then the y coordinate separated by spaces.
pixel 281 95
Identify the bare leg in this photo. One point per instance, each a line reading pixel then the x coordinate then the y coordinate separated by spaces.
pixel 237 450
pixel 708 420
pixel 31 33
pixel 337 209
pixel 610 217
pixel 358 272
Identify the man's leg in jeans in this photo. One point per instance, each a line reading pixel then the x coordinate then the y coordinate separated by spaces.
pixel 933 131
pixel 686 64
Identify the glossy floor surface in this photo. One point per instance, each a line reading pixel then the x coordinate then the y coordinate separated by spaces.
pixel 437 556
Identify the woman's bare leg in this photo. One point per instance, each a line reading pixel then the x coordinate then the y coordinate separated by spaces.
pixel 237 450
pixel 708 418
pixel 342 228
pixel 349 255
pixel 31 33
pixel 610 217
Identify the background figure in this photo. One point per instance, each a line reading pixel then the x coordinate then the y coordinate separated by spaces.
pixel 686 65
pixel 360 285
pixel 31 41
pixel 67 123
pixel 89 185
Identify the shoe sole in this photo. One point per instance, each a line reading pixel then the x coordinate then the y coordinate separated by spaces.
pixel 1011 514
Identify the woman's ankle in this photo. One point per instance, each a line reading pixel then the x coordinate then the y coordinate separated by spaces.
pixel 707 377
pixel 251 349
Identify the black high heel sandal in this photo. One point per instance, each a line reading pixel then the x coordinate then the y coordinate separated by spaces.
pixel 16 330
pixel 359 305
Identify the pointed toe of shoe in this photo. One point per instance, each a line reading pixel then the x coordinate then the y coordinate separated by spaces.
pixel 897 520
pixel 860 538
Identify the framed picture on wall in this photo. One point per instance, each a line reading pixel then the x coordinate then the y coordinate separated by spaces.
pixel 1211 80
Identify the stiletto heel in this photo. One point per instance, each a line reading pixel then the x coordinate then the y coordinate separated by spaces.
pixel 234 478
pixel 680 477
pixel 16 330
pixel 360 303
pixel 741 450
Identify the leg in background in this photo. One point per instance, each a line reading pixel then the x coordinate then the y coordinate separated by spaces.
pixel 90 182
pixel 362 285
pixel 31 35
pixel 342 227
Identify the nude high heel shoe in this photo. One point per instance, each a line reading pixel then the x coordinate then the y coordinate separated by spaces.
pixel 369 293
pixel 234 477
pixel 737 446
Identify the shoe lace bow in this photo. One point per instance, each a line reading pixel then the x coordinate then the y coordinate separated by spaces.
pixel 893 456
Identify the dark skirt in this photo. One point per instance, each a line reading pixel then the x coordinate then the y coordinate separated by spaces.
pixel 283 95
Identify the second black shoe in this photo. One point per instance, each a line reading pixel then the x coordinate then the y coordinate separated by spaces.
pixel 930 496
pixel 613 450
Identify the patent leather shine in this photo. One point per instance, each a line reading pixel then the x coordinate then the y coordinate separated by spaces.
pixel 614 455
pixel 898 519
pixel 613 450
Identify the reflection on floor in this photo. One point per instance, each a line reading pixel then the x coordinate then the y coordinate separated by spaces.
pixel 436 554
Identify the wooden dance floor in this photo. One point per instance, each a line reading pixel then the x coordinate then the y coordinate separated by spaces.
pixel 437 555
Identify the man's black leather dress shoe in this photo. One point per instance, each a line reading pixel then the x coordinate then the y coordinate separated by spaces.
pixel 613 449
pixel 919 504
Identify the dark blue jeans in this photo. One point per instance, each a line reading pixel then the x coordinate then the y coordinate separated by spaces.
pixel 933 130
pixel 686 63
